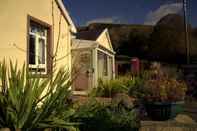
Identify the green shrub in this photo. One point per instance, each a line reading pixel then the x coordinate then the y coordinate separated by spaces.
pixel 133 86
pixel 95 116
pixel 27 103
pixel 136 88
pixel 111 87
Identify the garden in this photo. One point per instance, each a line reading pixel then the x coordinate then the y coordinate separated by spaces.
pixel 34 104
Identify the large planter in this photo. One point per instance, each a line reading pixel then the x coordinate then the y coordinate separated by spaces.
pixel 163 110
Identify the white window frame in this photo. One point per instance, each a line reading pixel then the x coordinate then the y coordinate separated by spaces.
pixel 37 65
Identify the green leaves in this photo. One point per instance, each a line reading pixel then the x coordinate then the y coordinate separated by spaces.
pixel 124 84
pixel 110 88
pixel 27 102
pixel 95 116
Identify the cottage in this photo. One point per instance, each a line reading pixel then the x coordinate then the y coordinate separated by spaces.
pixel 92 58
pixel 36 32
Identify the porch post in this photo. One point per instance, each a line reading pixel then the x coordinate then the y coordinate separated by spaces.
pixel 95 66
pixel 113 63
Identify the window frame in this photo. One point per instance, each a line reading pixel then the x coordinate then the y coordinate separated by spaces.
pixel 36 70
pixel 37 47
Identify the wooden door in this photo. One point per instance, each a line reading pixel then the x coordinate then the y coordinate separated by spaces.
pixel 84 71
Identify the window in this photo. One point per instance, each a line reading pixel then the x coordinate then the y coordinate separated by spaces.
pixel 38 47
pixel 102 64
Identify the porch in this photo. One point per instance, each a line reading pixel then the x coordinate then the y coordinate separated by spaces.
pixel 91 61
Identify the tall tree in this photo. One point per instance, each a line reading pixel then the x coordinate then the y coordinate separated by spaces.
pixel 167 41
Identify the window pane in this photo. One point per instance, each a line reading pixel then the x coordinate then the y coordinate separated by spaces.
pixel 41 59
pixel 32 47
pixel 33 28
pixel 42 31
pixel 102 64
pixel 86 59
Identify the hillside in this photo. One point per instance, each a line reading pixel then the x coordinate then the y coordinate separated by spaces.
pixel 163 42
pixel 119 33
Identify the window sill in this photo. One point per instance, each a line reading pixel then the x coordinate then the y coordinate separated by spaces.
pixel 35 73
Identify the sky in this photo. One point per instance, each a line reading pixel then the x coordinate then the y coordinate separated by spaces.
pixel 146 12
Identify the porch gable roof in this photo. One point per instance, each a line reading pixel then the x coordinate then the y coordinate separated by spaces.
pixel 88 44
pixel 93 36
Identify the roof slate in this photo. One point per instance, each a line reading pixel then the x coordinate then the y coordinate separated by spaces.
pixel 89 34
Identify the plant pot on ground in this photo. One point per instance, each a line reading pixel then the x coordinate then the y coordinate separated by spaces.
pixel 163 110
pixel 165 96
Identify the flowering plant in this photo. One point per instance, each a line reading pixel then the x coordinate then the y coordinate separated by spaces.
pixel 165 90
pixel 159 87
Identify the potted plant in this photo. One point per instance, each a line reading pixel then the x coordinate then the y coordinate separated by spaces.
pixel 164 96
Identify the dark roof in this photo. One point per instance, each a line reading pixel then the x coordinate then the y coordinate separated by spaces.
pixel 88 34
pixel 123 57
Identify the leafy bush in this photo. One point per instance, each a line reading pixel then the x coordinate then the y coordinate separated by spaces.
pixel 133 86
pixel 136 87
pixel 27 103
pixel 95 116
pixel 111 87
